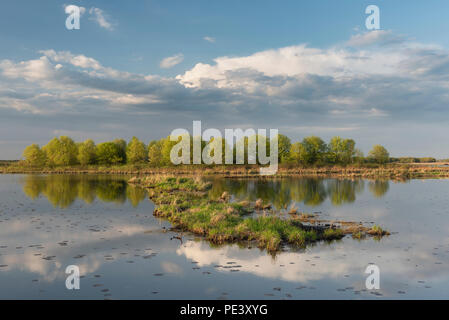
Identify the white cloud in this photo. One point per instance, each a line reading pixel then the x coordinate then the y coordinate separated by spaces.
pixel 381 37
pixel 101 18
pixel 209 39
pixel 31 70
pixel 172 61
pixel 295 61
pixel 76 60
pixel 343 88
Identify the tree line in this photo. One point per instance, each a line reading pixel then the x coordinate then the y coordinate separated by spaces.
pixel 63 151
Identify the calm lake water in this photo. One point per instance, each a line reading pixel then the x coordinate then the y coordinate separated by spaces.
pixel 106 227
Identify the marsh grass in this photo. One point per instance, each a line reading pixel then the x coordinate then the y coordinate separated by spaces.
pixel 377 231
pixel 393 171
pixel 186 204
pixel 359 235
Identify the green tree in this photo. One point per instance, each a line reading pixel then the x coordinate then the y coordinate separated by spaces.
pixel 109 153
pixel 34 156
pixel 379 154
pixel 296 151
pixel 136 151
pixel 166 147
pixel 341 150
pixel 61 152
pixel 122 148
pixel 313 150
pixel 155 153
pixel 284 147
pixel 87 152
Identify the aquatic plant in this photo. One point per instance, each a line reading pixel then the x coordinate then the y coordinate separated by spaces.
pixel 377 231
pixel 358 235
pixel 186 204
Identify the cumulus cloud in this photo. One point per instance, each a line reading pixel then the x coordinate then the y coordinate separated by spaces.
pixel 338 81
pixel 298 60
pixel 76 60
pixel 346 88
pixel 171 61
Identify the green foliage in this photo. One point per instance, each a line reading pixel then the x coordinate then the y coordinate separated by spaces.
pixel 284 147
pixel 165 151
pixel 155 153
pixel 377 231
pixel 136 151
pixel 379 154
pixel 87 152
pixel 414 160
pixel 122 148
pixel 110 153
pixel 61 152
pixel 427 159
pixel 314 150
pixel 311 150
pixel 34 156
pixel 296 150
pixel 341 151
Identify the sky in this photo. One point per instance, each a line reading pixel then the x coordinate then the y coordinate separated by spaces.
pixel 145 68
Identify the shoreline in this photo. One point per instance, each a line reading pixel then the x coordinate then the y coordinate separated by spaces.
pixel 394 172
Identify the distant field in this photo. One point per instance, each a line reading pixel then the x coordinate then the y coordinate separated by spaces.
pixel 5 163
pixel 429 164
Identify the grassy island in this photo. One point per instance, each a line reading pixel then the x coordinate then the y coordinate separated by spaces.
pixel 186 204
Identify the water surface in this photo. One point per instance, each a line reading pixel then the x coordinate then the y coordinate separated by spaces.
pixel 106 227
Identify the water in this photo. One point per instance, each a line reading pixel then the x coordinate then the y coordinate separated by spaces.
pixel 106 227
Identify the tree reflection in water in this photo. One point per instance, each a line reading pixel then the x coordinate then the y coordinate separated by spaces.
pixel 62 190
pixel 285 191
pixel 379 187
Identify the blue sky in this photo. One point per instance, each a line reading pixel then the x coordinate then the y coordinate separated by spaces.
pixel 281 64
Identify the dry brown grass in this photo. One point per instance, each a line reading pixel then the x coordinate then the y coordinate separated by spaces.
pixel 391 171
